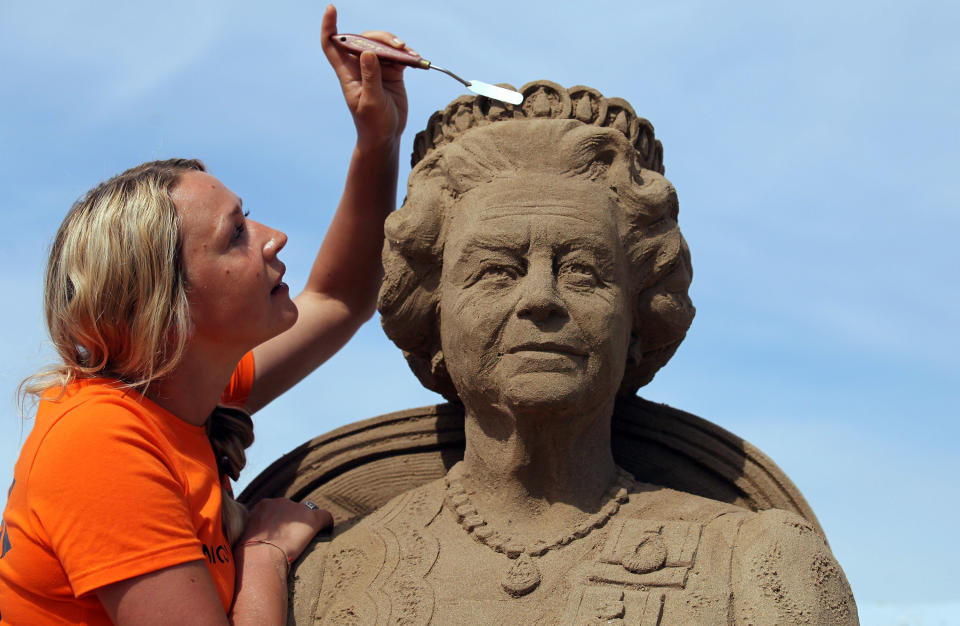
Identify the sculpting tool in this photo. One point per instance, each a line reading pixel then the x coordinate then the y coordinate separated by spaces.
pixel 357 44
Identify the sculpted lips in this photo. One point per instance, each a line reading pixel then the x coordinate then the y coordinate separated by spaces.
pixel 548 346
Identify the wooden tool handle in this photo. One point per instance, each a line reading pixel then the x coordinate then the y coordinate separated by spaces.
pixel 357 44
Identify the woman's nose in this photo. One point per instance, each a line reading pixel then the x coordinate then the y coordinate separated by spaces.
pixel 275 241
pixel 539 298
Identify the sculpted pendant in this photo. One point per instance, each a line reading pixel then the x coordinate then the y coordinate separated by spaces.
pixel 522 577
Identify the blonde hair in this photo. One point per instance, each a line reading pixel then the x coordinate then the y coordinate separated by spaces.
pixel 115 301
pixel 115 298
pixel 230 431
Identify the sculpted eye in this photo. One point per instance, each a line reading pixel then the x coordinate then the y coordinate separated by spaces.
pixel 578 274
pixel 495 271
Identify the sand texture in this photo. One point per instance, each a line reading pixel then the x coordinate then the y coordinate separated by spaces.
pixel 357 469
pixel 536 277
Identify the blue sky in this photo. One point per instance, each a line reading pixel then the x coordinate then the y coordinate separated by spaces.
pixel 813 146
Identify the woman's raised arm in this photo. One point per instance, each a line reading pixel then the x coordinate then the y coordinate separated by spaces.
pixel 340 294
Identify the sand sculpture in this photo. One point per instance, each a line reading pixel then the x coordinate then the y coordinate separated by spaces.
pixel 536 273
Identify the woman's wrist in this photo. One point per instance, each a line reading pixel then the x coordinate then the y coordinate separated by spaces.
pixel 263 569
pixel 377 146
pixel 267 551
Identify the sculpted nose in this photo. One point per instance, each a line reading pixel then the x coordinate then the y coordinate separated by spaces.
pixel 539 299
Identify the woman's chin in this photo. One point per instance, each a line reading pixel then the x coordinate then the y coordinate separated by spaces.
pixel 286 318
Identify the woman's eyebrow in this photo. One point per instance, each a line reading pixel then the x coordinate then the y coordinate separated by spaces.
pixel 237 208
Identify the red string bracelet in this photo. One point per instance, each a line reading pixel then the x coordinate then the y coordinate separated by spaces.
pixel 286 558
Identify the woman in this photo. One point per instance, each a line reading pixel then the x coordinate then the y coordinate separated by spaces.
pixel 163 301
pixel 535 272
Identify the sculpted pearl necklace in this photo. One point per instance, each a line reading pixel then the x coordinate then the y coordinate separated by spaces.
pixel 524 576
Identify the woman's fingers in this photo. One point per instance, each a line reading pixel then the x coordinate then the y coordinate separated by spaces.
pixel 373 89
pixel 287 524
pixel 370 72
pixel 391 71
pixel 338 58
pixel 347 65
pixel 324 519
pixel 390 39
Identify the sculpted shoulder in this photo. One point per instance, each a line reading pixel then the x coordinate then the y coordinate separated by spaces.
pixel 784 573
pixel 770 566
pixel 343 581
pixel 651 501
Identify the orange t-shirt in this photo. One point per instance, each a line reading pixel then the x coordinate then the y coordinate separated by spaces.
pixel 108 486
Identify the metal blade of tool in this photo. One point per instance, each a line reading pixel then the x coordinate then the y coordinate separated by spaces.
pixel 356 44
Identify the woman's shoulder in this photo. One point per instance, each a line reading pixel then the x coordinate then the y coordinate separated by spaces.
pixel 103 409
pixel 103 400
pixel 93 427
pixel 84 412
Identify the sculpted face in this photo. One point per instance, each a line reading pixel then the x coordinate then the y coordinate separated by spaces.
pixel 534 307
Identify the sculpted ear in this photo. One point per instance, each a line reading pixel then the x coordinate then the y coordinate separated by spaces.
pixel 634 351
pixel 438 367
pixel 432 372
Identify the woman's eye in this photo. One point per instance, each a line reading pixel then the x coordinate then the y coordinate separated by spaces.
pixel 240 228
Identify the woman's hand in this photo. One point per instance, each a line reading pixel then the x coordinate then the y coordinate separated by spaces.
pixel 261 592
pixel 284 523
pixel 374 93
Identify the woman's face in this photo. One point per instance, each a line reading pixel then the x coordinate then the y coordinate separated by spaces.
pixel 237 298
pixel 534 309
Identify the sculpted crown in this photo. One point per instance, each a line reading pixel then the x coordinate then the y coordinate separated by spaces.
pixel 542 99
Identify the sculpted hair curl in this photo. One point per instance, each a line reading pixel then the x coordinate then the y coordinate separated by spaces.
pixel 115 297
pixel 524 149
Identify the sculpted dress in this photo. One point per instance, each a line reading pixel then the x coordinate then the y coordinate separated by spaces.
pixel 660 557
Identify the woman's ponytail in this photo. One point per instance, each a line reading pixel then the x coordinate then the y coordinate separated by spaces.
pixel 231 432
